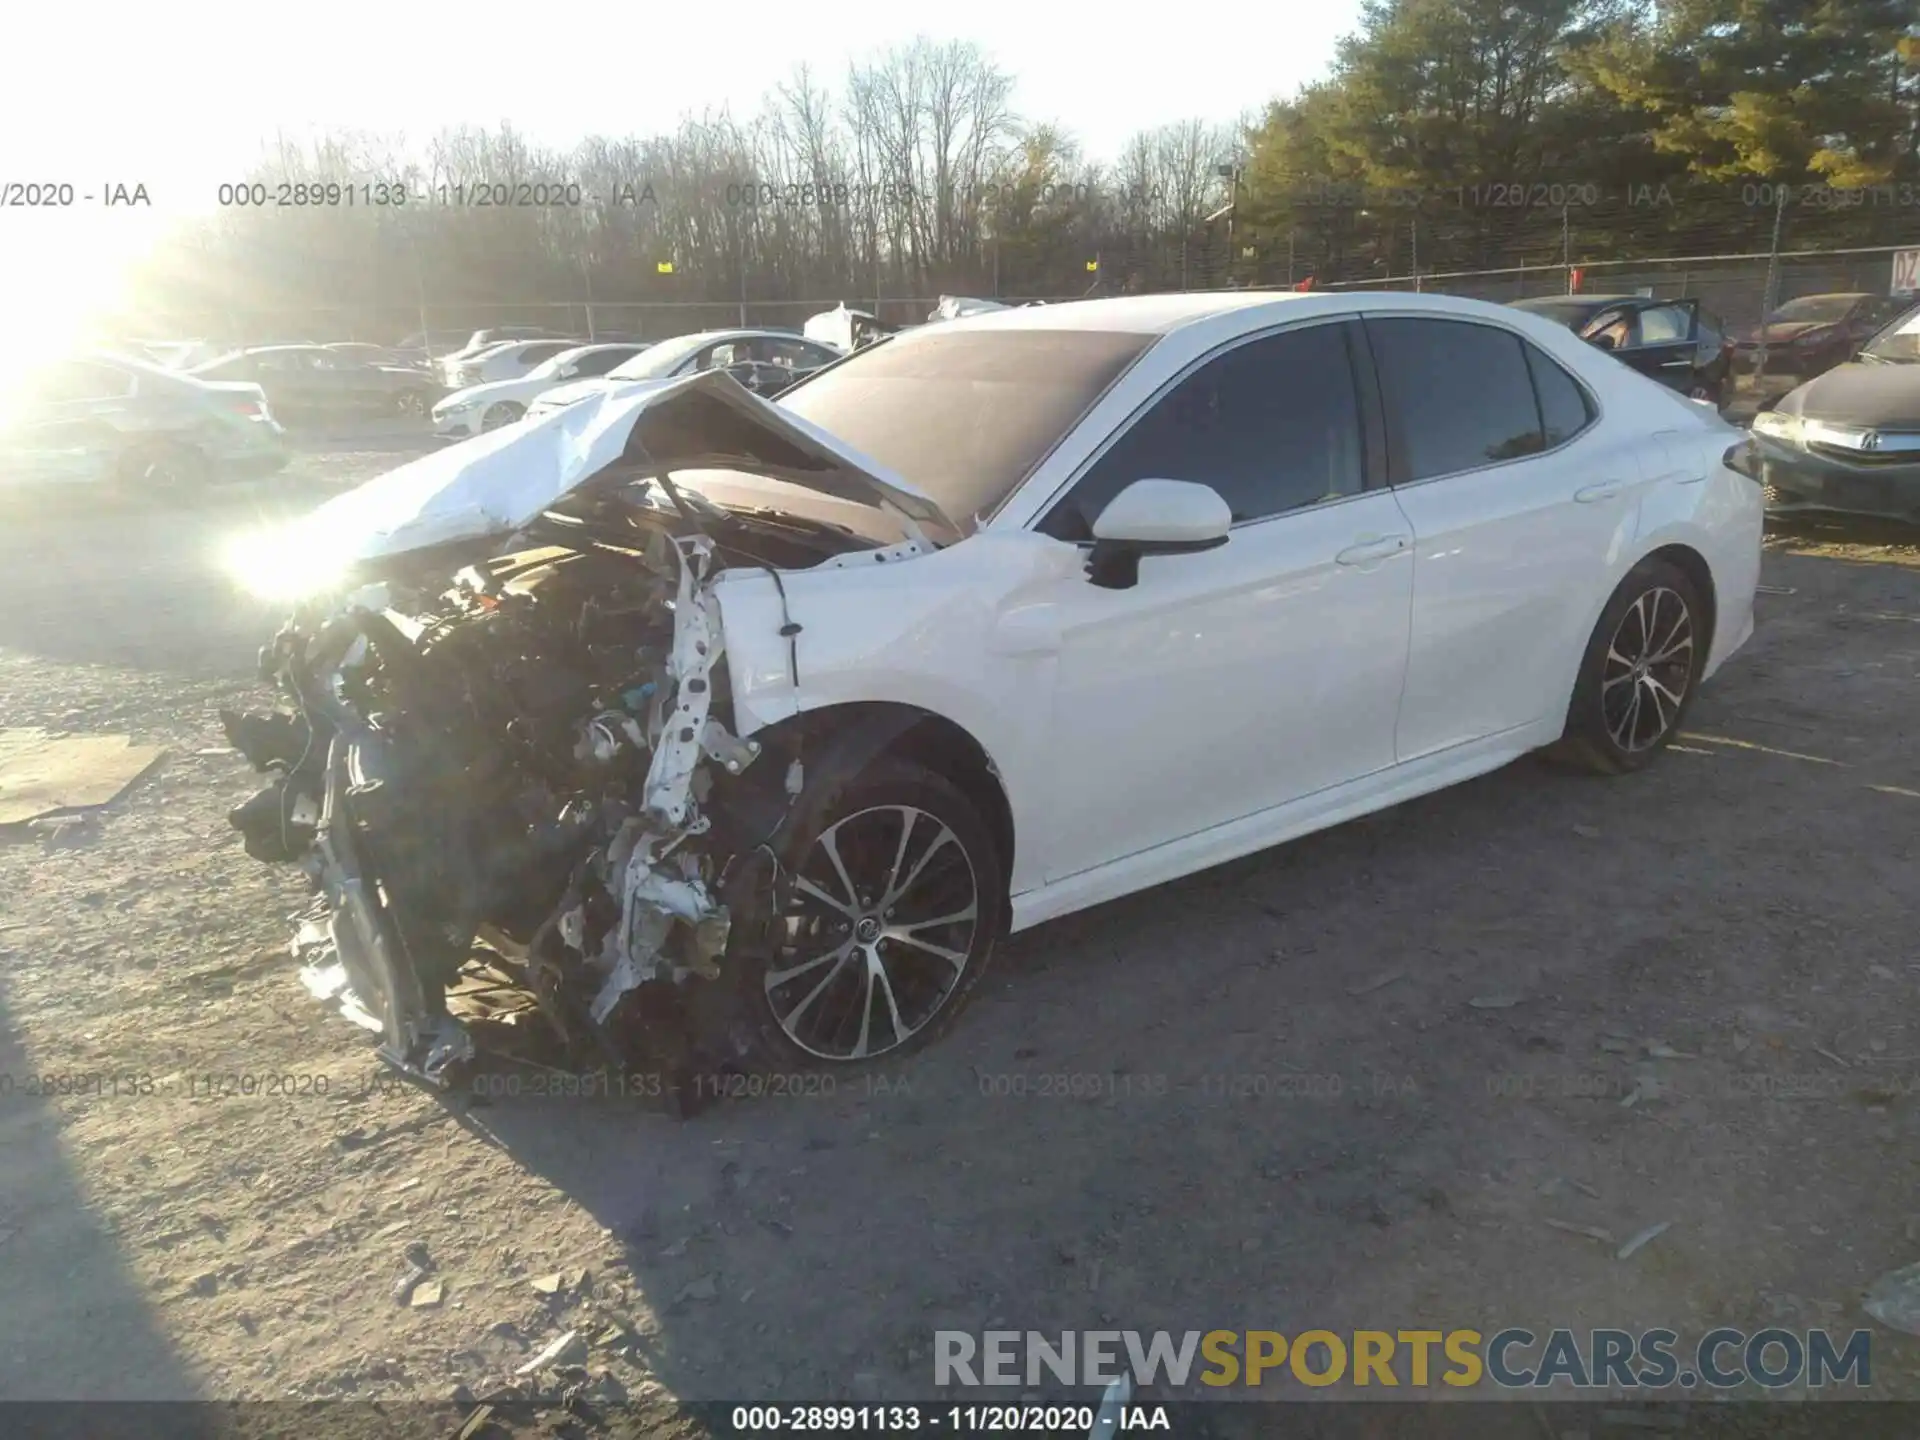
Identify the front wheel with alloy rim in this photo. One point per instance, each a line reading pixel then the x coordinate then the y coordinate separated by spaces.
pixel 893 903
pixel 411 402
pixel 497 416
pixel 1639 673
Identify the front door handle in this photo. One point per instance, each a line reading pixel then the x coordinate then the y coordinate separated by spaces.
pixel 1374 547
pixel 1605 490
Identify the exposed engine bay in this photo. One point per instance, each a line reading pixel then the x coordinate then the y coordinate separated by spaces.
pixel 527 757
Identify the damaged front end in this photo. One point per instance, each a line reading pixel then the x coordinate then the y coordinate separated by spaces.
pixel 524 763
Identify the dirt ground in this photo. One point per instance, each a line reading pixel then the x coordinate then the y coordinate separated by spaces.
pixel 1366 1080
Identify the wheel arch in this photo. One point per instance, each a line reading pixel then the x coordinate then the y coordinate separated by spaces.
pixel 849 736
pixel 1691 563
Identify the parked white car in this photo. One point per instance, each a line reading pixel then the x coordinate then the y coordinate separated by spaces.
pixel 488 407
pixel 794 710
pixel 765 361
pixel 507 361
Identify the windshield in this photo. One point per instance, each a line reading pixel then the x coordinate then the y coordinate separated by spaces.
pixel 1899 341
pixel 964 416
pixel 1820 309
pixel 657 362
pixel 550 369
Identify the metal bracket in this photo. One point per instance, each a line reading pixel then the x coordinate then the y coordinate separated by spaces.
pixel 733 753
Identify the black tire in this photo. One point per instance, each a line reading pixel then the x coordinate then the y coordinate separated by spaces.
pixel 164 470
pixel 1606 734
pixel 497 417
pixel 949 849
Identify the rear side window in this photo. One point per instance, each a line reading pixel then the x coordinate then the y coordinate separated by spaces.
pixel 1565 409
pixel 1459 395
pixel 535 354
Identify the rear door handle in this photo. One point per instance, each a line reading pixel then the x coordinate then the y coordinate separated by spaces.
pixel 1374 547
pixel 1605 490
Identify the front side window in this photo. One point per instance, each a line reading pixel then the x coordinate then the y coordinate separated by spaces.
pixel 1459 395
pixel 534 354
pixel 1610 329
pixel 1271 425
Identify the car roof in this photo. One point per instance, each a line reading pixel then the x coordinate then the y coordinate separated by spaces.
pixel 1163 314
pixel 1542 301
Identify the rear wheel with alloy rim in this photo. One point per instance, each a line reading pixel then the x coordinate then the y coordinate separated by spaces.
pixel 895 901
pixel 502 414
pixel 1640 671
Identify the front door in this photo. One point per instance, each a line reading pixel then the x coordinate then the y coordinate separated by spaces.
pixel 1231 680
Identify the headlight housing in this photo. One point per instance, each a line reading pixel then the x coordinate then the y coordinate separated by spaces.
pixel 454 406
pixel 1776 426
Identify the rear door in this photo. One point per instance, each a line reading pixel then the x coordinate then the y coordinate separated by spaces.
pixel 1662 338
pixel 1518 500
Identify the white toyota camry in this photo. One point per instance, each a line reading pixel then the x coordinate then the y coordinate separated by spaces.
pixel 750 728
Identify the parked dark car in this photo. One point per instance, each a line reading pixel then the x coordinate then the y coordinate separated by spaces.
pixel 98 417
pixel 1673 341
pixel 1849 440
pixel 311 381
pixel 1814 333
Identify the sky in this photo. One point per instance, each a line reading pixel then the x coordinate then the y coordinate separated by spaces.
pixel 181 99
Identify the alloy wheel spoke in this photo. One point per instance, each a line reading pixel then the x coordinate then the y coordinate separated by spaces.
pixel 780 977
pixel 807 887
pixel 831 845
pixel 866 1009
pixel 893 1003
pixel 894 896
pixel 793 1015
pixel 903 929
pixel 908 818
pixel 955 958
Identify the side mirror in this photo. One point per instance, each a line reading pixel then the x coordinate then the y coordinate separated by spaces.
pixel 1154 517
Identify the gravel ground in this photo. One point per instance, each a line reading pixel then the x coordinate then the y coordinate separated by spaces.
pixel 1365 1080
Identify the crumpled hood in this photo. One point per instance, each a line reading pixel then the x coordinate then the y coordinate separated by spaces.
pixel 1860 394
pixel 497 482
